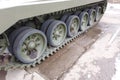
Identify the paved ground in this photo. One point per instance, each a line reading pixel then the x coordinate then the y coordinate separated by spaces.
pixel 114 1
pixel 100 61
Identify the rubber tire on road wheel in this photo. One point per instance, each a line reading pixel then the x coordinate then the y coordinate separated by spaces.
pixel 19 41
pixel 69 22
pixel 65 17
pixel 50 31
pixel 81 17
pixel 90 12
pixel 13 36
pixel 45 25
pixel 98 13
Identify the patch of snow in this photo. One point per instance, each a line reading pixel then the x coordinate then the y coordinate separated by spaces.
pixel 112 7
pixel 19 74
pixel 15 74
pixel 117 68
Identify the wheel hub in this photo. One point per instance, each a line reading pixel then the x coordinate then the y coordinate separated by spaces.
pixel 31 45
pixel 74 26
pixel 58 33
pixel 84 21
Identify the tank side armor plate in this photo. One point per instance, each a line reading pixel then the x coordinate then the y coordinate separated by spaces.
pixel 10 14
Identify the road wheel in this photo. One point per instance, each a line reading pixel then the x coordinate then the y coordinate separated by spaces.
pixel 84 18
pixel 92 16
pixel 13 36
pixel 65 17
pixel 29 45
pixel 45 25
pixel 72 23
pixel 56 33
pixel 98 13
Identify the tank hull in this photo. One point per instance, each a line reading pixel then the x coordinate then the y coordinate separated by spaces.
pixel 31 31
pixel 10 14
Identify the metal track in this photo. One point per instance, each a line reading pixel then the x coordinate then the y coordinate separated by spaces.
pixel 49 51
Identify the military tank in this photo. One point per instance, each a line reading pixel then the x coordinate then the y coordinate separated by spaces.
pixel 33 30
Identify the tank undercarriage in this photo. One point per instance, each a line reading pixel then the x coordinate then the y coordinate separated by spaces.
pixel 30 41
